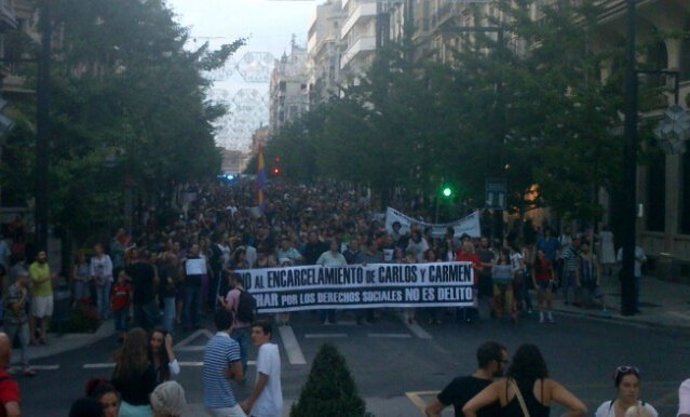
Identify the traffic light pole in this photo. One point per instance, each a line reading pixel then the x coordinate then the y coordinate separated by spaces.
pixel 43 128
pixel 628 291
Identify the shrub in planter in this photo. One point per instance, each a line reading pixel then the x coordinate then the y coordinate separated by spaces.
pixel 83 318
pixel 330 390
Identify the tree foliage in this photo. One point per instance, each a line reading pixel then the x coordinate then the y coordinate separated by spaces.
pixel 129 108
pixel 529 106
pixel 330 390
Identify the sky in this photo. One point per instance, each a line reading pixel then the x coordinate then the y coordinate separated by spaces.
pixel 269 26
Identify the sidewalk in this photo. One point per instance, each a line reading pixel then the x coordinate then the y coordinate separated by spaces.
pixel 663 304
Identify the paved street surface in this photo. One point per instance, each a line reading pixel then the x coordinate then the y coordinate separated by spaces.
pixel 399 367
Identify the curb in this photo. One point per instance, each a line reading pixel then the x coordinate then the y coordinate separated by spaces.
pixel 618 319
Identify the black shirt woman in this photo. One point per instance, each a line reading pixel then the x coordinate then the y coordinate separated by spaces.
pixel 527 390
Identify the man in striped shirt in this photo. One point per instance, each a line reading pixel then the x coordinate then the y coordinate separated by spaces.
pixel 222 363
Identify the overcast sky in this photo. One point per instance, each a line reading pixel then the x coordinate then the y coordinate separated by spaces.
pixel 269 26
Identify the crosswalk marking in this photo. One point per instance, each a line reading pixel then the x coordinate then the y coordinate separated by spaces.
pixel 390 335
pixel 191 364
pixel 183 345
pixel 418 331
pixel 325 335
pixel 294 352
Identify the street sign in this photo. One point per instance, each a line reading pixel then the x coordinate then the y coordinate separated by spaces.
pixel 496 193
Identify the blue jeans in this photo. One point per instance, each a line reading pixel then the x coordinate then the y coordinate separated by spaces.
pixel 81 290
pixel 146 315
pixel 327 315
pixel 192 305
pixel 121 322
pixel 103 300
pixel 169 314
pixel 241 336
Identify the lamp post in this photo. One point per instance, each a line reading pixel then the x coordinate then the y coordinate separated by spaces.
pixel 628 292
pixel 43 127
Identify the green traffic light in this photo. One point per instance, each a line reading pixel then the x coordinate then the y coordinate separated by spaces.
pixel 447 192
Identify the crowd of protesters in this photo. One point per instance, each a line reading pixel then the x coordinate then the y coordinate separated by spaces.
pixel 165 276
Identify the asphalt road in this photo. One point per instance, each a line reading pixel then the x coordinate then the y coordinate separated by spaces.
pixel 398 367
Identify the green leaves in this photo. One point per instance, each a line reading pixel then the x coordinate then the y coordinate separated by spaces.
pixel 122 80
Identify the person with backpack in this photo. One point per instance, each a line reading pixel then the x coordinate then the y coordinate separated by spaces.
pixel 242 305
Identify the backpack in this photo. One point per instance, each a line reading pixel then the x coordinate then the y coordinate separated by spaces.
pixel 246 307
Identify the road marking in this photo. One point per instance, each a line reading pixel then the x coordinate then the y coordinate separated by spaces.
pixel 112 365
pixel 191 349
pixel 679 314
pixel 325 335
pixel 414 328
pixel 418 331
pixel 391 335
pixel 415 398
pixel 98 365
pixel 183 345
pixel 294 352
pixel 45 367
pixel 16 368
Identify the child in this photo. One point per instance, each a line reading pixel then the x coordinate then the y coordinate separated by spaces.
pixel 120 300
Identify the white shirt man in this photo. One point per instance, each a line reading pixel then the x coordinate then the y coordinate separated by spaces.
pixel 266 399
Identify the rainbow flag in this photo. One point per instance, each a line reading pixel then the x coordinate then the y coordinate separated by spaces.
pixel 260 177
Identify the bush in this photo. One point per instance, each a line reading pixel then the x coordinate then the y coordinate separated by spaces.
pixel 330 390
pixel 83 318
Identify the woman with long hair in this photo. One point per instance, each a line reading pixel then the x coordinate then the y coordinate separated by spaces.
pixel 527 390
pixel 106 395
pixel 163 355
pixel 626 379
pixel 134 375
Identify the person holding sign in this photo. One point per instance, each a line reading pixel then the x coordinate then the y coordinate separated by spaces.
pixel 330 258
pixel 195 269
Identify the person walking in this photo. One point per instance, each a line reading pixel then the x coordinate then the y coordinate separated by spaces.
pixel 196 268
pixel 16 319
pixel 163 356
pixel 491 359
pixel 626 379
pixel 684 399
pixel 241 330
pixel 102 275
pixel 222 363
pixel 527 390
pixel 544 283
pixel 42 298
pixel 168 400
pixel 144 281
pixel 266 400
pixel 10 395
pixel 640 259
pixel 330 258
pixel 134 375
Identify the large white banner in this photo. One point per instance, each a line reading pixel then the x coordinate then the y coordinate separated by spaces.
pixel 440 284
pixel 467 225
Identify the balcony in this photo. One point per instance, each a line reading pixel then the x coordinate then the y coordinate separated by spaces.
pixel 8 18
pixel 364 10
pixel 364 44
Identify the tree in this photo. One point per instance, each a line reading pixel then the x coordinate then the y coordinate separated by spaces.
pixel 129 109
pixel 330 390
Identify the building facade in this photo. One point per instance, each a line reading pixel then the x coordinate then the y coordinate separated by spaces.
pixel 324 48
pixel 289 88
